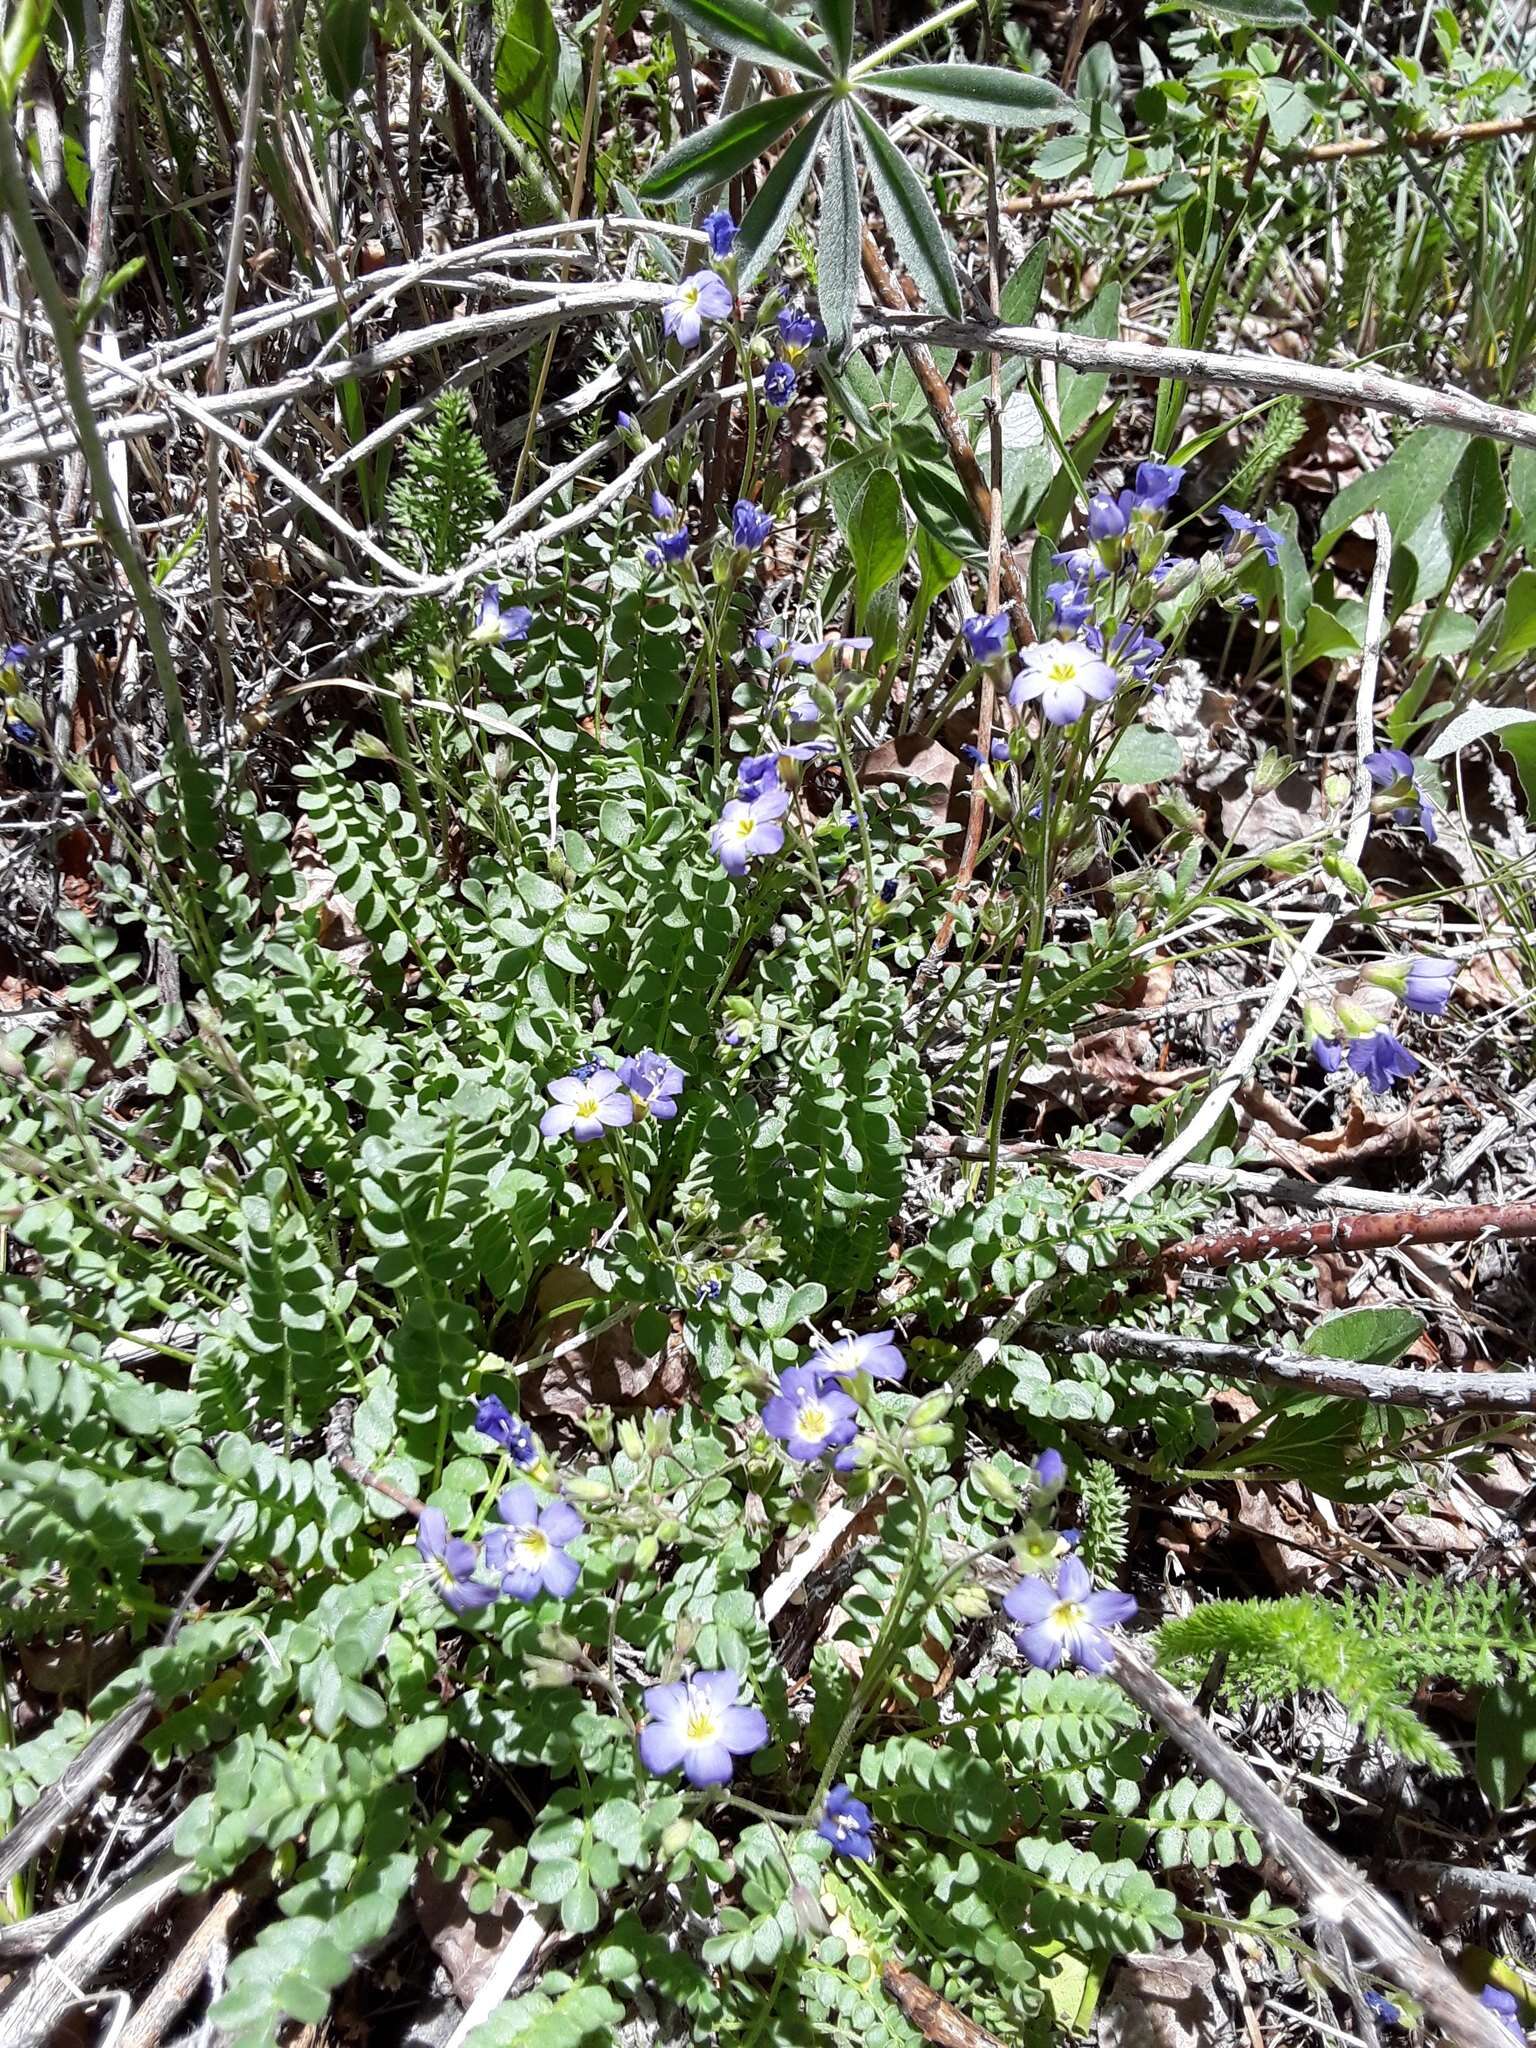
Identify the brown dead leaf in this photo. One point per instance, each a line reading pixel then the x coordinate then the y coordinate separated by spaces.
pixel 338 929
pixel 465 1943
pixel 910 758
pixel 1163 2001
pixel 1272 1516
pixel 603 1369
pixel 1364 1134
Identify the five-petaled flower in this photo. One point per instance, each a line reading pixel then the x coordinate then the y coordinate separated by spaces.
pixel 1066 1622
pixel 528 1550
pixel 700 299
pixel 721 230
pixel 848 1825
pixel 1393 772
pixel 1064 676
pixel 1157 485
pixel 493 1418
pixel 497 624
pixel 750 525
pixel 1248 533
pixel 701 1724
pixel 987 637
pixel 779 381
pixel 586 1105
pixel 746 831
pixel 450 1563
pixel 654 1084
pixel 807 1416
pixel 799 331
pixel 873 1353
pixel 1423 984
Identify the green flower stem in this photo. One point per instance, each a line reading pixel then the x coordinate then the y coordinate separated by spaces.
pixel 632 1202
pixel 910 36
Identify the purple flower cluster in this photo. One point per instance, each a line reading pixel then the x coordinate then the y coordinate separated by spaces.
pixel 1067 1622
pixel 810 1412
pixel 702 1724
pixel 526 1553
pixel 493 1418
pixel 595 1098
pixel 672 541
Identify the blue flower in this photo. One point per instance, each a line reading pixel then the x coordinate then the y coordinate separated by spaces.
pixel 750 525
pixel 1384 2009
pixel 1428 986
pixel 1505 2008
pixel 745 832
pixel 1064 677
pixel 654 1084
pixel 779 381
pixel 846 1823
pixel 763 771
pixel 1248 533
pixel 1050 1474
pixel 528 1550
pixel 1070 604
pixel 1393 772
pixel 998 751
pixel 1067 1622
pixel 450 1563
pixel 1108 517
pixel 873 1353
pixel 700 299
pixel 721 230
pixel 497 623
pixel 799 331
pixel 493 1418
pixel 23 734
pixel 1157 485
pixel 1328 1053
pixel 807 1416
pixel 663 511
pixel 668 548
pixel 701 1724
pixel 13 659
pixel 987 637
pixel 1380 1059
pixel 586 1105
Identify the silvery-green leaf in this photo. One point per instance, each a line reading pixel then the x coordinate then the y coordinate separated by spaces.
pixel 910 217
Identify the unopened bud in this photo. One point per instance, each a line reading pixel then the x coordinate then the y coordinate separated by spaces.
pixel 931 1408
pixel 669 1531
pixel 592 1491
pixel 547 1674
pixel 599 1427
pixel 933 1434
pixel 1273 769
pixel 1336 790
pixel 631 1443
pixel 645 1553
pixel 971 1602
pixel 675 1839
pixel 370 746
pixel 1289 860
pixel 995 1484
pixel 1345 872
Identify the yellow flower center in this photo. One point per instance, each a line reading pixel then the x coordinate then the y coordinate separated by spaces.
pixel 1068 1614
pixel 533 1547
pixel 703 1723
pixel 814 1419
pixel 745 827
pixel 589 1106
pixel 1063 671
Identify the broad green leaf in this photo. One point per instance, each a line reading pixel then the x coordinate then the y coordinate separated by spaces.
pixel 714 154
pixel 878 537
pixel 1364 1336
pixel 838 247
pixel 746 28
pixel 765 220
pixel 1325 638
pixel 1522 489
pixel 528 64
pixel 836 18
pixel 1258 13
pixel 937 568
pixel 1474 504
pixel 910 217
pixel 1514 730
pixel 25 25
pixel 1078 391
pixel 930 487
pixel 1517 635
pixel 1142 755
pixel 1288 107
pixel 976 92
pixel 1408 485
pixel 1506 1741
pixel 342 44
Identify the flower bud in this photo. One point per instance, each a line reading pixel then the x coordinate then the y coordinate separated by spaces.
pixel 931 1408
pixel 370 746
pixel 1336 790
pixel 933 1434
pixel 646 1551
pixel 995 1484
pixel 1318 1021
pixel 1344 871
pixel 555 1641
pixel 675 1838
pixel 593 1491
pixel 669 1531
pixel 547 1674
pixel 1289 860
pixel 1392 975
pixel 631 1443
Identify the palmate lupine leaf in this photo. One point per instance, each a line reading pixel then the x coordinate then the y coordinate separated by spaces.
pixel 835 116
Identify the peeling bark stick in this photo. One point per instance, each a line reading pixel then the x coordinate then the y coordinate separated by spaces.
pixel 1485 1220
pixel 1446 1392
pixel 1332 1892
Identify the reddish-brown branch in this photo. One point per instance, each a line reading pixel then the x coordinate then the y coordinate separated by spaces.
pixel 1350 1234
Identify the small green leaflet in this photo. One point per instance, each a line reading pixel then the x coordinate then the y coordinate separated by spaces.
pixel 1364 1336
